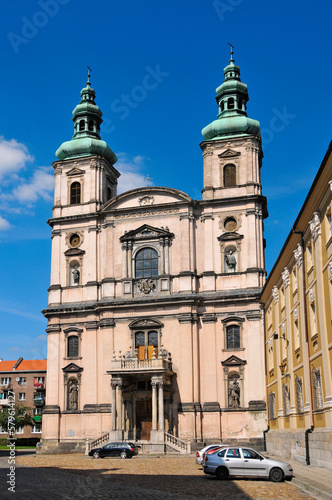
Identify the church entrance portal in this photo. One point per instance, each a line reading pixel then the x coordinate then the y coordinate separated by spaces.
pixel 144 419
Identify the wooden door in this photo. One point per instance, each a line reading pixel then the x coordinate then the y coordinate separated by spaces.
pixel 144 418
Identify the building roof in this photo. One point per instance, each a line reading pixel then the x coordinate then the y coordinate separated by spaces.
pixel 24 365
pixel 301 223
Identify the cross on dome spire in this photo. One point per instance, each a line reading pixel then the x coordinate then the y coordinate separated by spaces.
pixel 231 52
pixel 89 74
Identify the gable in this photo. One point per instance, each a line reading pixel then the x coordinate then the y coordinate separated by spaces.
pixel 146 197
pixel 229 153
pixel 146 232
pixel 233 361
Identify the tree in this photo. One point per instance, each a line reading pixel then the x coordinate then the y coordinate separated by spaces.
pixel 15 416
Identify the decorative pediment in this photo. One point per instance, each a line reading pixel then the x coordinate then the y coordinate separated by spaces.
pixel 229 319
pixel 233 361
pixel 145 323
pixel 230 236
pixel 72 368
pixel 229 153
pixel 146 232
pixel 75 171
pixel 74 251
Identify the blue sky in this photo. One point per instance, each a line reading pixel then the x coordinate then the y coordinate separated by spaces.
pixel 155 68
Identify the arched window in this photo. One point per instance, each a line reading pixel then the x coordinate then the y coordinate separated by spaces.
pixel 146 263
pixel 230 103
pixel 239 103
pixel 75 193
pixel 146 344
pixel 233 337
pixel 90 125
pixel 222 106
pixel 229 175
pixel 82 125
pixel 72 346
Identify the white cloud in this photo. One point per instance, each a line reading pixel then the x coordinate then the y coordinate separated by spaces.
pixel 13 156
pixel 4 224
pixel 131 169
pixel 40 186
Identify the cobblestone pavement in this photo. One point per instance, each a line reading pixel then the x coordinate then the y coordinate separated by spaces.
pixel 178 478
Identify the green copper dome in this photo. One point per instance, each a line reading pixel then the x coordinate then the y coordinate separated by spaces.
pixel 86 139
pixel 232 97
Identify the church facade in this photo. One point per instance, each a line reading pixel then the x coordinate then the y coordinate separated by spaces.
pixel 155 329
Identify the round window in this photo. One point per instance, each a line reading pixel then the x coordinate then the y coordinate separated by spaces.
pixel 230 224
pixel 74 240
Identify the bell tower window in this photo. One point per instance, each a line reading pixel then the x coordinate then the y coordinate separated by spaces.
pixel 90 126
pixel 82 125
pixel 230 103
pixel 229 175
pixel 75 193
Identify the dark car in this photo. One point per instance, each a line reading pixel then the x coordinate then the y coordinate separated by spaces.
pixel 123 450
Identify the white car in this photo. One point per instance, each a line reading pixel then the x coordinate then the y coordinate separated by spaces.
pixel 245 462
pixel 199 454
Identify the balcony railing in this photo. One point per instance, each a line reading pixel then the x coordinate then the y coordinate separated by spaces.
pixel 37 418
pixel 135 364
pixel 39 401
pixel 39 386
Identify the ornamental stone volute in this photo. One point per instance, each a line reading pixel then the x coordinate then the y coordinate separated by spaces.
pixel 285 277
pixel 315 227
pixel 298 254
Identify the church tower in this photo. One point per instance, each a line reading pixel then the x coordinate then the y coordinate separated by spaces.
pixel 232 155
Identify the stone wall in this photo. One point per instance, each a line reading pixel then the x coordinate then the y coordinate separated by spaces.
pixel 290 444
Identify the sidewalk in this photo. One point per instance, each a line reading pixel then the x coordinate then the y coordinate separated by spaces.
pixel 315 481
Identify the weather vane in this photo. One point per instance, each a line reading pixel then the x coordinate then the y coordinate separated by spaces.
pixel 232 47
pixel 147 180
pixel 89 72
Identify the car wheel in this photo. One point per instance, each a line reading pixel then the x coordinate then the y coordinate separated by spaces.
pixel 222 473
pixel 276 475
pixel 96 454
pixel 123 454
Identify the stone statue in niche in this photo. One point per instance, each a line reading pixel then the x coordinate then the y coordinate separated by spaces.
pixel 73 395
pixel 234 394
pixel 75 275
pixel 230 262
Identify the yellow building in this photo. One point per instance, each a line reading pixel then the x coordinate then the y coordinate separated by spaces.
pixel 297 300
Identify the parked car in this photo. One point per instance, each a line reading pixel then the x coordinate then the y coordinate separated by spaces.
pixel 245 462
pixel 123 450
pixel 199 454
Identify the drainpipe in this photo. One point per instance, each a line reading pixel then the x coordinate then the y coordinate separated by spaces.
pixel 308 431
pixel 307 456
pixel 264 436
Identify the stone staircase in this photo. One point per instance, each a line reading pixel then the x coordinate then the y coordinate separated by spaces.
pixel 172 444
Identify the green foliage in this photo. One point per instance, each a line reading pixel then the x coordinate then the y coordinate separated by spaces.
pixel 19 442
pixel 15 416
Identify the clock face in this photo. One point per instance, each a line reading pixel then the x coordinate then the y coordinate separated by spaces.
pixel 230 224
pixel 74 240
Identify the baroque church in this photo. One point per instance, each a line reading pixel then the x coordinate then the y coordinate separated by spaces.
pixel 155 330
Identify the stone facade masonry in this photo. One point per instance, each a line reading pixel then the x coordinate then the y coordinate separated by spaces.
pixel 291 446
